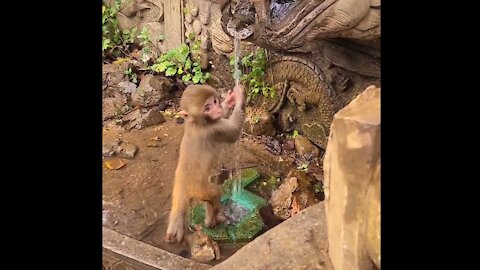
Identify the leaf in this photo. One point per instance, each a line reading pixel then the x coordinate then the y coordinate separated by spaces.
pixel 171 71
pixel 295 134
pixel 160 67
pixel 188 64
pixel 180 70
pixel 115 164
pixel 105 44
pixel 120 60
pixel 196 79
pixel 186 77
pixel 191 36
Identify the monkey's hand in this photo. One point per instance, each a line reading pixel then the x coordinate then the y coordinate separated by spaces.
pixel 175 229
pixel 239 94
pixel 229 101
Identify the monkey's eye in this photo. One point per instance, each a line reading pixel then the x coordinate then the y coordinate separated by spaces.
pixel 215 101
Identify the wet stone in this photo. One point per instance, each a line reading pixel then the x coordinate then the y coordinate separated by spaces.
pixel 126 150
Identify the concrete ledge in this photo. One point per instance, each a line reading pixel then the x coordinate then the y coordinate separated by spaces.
pixel 145 255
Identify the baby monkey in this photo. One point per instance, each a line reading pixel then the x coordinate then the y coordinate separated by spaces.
pixel 207 128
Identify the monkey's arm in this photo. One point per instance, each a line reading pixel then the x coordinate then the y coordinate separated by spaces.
pixel 229 130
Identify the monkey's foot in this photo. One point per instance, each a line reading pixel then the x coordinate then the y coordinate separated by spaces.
pixel 174 230
pixel 221 218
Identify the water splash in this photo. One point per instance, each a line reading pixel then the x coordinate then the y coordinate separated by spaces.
pixel 236 71
pixel 237 185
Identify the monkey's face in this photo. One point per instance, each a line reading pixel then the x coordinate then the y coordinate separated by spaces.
pixel 212 108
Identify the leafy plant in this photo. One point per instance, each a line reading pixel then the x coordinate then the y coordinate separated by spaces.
pixel 295 134
pixel 318 187
pixel 253 76
pixel 303 167
pixel 178 62
pixel 143 36
pixel 114 41
pixel 131 75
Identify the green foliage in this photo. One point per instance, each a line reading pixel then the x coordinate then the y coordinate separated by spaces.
pixel 303 167
pixel 295 134
pixel 178 62
pixel 114 40
pixel 131 75
pixel 318 187
pixel 143 36
pixel 254 76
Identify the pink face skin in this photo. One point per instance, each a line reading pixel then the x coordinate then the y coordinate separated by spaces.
pixel 213 109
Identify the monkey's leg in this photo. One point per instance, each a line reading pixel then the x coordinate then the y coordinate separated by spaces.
pixel 210 219
pixel 177 217
pixel 216 204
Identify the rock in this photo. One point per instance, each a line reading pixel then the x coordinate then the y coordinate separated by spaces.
pixel 316 133
pixel 298 243
pixel 221 42
pixel 293 195
pixel 126 150
pixel 194 11
pixel 352 183
pixel 113 74
pixel 152 117
pixel 162 106
pixel 205 14
pixel 263 125
pixel 288 145
pixel 202 248
pixel 281 199
pixel 188 17
pixel 108 148
pixel 197 27
pixel 138 119
pixel 151 91
pixel 112 106
pixel 305 147
pixel 127 87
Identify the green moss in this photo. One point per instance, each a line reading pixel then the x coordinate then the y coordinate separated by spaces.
pixel 244 230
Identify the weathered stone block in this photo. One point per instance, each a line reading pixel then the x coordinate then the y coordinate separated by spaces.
pixel 352 184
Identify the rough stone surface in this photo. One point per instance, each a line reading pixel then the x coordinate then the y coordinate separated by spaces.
pixel 261 125
pixel 149 256
pixel 108 148
pixel 202 248
pixel 112 106
pixel 352 180
pixel 126 150
pixel 306 148
pixel 113 73
pixel 140 119
pixel 293 195
pixel 197 27
pixel 151 91
pixel 298 243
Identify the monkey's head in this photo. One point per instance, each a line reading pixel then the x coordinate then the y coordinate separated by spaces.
pixel 200 104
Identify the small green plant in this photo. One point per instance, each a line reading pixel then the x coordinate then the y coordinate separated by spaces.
pixel 143 37
pixel 253 76
pixel 295 134
pixel 131 75
pixel 303 167
pixel 318 187
pixel 178 62
pixel 114 41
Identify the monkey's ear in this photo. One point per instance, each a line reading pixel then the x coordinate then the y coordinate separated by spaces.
pixel 183 113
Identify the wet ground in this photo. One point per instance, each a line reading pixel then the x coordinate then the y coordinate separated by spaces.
pixel 136 197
